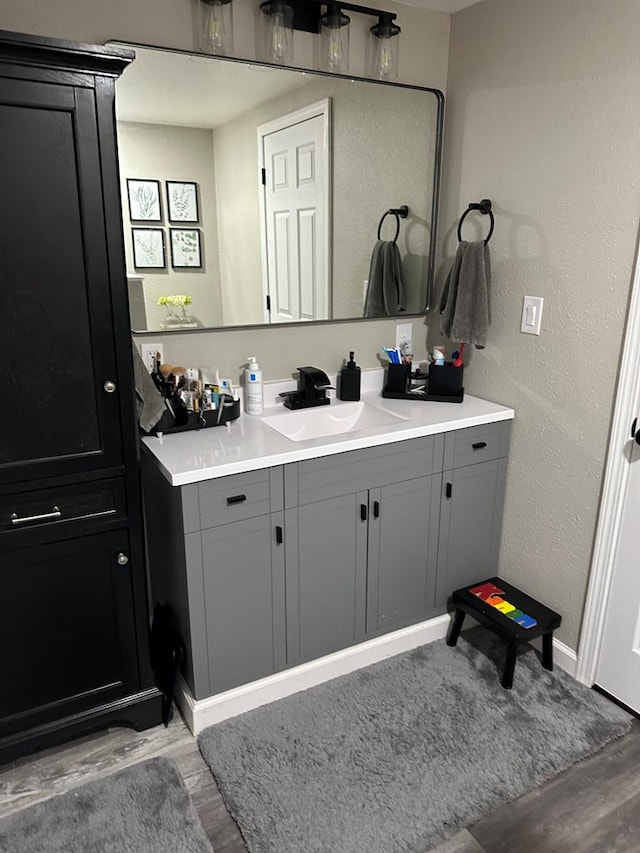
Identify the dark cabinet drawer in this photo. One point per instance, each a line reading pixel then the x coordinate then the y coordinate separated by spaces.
pixel 60 512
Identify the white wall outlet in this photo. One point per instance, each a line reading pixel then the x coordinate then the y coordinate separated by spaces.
pixel 404 335
pixel 148 353
pixel 531 315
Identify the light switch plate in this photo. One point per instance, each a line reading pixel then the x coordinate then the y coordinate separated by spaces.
pixel 531 315
pixel 148 353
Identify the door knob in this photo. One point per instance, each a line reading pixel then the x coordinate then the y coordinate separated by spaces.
pixel 109 386
pixel 122 559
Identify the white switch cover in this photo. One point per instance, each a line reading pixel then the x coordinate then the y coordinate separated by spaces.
pixel 148 353
pixel 404 334
pixel 531 315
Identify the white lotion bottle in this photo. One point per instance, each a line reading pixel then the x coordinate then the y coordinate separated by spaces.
pixel 253 396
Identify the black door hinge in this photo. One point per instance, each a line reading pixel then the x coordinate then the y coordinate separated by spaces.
pixel 449 490
pixel 268 302
pixel 264 177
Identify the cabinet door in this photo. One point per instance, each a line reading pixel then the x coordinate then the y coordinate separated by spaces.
pixel 326 553
pixel 67 635
pixel 243 564
pixel 56 330
pixel 470 525
pixel 403 549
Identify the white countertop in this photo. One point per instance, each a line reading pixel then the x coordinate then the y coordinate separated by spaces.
pixel 248 444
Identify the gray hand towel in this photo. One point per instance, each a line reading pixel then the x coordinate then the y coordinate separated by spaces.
pixel 465 302
pixel 385 290
pixel 149 401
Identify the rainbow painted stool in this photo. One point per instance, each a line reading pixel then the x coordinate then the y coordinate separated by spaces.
pixel 510 614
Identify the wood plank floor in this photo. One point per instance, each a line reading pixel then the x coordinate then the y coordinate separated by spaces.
pixel 594 807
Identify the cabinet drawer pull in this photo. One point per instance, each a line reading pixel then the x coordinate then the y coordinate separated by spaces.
pixel 363 512
pixel 236 499
pixel 279 535
pixel 376 509
pixel 122 559
pixel 478 445
pixel 16 519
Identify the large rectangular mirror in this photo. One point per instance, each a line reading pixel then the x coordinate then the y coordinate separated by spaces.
pixel 258 194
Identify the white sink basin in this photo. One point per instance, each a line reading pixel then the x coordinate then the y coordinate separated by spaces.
pixel 334 419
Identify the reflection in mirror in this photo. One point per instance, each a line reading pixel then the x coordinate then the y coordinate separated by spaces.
pixel 261 190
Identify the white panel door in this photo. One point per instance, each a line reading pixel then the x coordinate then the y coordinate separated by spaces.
pixel 619 663
pixel 296 215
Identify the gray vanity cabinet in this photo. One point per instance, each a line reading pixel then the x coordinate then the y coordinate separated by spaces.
pixel 243 570
pixel 473 486
pixel 217 556
pixel 403 549
pixel 361 544
pixel 326 571
pixel 271 568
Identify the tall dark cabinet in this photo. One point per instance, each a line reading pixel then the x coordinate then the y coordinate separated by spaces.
pixel 74 648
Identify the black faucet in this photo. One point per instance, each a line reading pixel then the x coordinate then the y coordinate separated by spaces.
pixel 313 384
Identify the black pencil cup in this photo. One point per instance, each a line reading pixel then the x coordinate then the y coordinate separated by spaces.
pixel 445 380
pixel 398 378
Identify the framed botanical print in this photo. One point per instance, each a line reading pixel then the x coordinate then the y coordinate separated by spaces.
pixel 185 247
pixel 148 248
pixel 144 200
pixel 182 201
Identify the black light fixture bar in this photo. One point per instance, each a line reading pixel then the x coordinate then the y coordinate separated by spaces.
pixel 306 13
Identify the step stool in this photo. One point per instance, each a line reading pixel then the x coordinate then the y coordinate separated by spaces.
pixel 547 621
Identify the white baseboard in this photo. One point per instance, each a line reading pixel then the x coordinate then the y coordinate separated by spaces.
pixel 198 714
pixel 565 658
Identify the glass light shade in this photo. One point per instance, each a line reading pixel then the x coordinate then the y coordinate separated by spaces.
pixel 383 49
pixel 334 40
pixel 276 33
pixel 216 27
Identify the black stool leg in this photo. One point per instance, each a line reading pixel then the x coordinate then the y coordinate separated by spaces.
pixel 455 627
pixel 547 650
pixel 510 664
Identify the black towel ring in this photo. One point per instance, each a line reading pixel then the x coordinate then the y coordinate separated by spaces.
pixel 399 213
pixel 484 207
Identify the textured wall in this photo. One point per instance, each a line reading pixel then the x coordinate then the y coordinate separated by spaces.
pixel 170 23
pixel 544 118
pixel 162 152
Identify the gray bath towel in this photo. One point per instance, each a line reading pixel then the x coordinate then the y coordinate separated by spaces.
pixel 149 402
pixel 385 290
pixel 465 302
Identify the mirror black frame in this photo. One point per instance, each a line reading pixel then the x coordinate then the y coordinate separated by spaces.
pixel 437 170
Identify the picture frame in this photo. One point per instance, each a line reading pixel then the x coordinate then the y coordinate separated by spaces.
pixel 148 248
pixel 145 204
pixel 182 201
pixel 186 248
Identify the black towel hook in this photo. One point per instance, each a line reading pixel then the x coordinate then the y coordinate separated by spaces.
pixel 399 213
pixel 484 207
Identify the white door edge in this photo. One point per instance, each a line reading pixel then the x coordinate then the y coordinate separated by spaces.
pixel 616 476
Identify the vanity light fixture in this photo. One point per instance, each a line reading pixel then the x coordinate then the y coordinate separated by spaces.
pixel 279 20
pixel 334 40
pixel 275 26
pixel 216 27
pixel 383 48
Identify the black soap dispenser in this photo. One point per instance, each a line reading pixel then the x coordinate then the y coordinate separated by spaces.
pixel 350 380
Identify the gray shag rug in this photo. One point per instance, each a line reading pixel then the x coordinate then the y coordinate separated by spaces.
pixel 396 757
pixel 142 809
